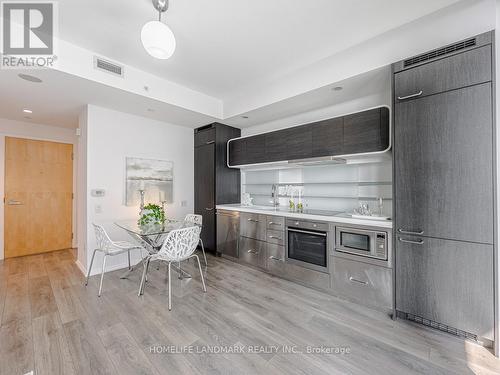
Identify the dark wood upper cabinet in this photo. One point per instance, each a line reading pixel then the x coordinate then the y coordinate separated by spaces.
pixel 276 146
pixel 327 137
pixel 215 183
pixel 367 131
pixel 298 142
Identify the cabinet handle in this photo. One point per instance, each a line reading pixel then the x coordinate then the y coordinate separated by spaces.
pixel 410 96
pixel 403 231
pixel 274 258
pixel 253 220
pixel 277 238
pixel 209 209
pixel 418 242
pixel 353 280
pixel 251 251
pixel 273 223
pixel 209 142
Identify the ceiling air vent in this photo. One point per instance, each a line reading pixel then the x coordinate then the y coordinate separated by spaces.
pixel 108 66
pixel 440 52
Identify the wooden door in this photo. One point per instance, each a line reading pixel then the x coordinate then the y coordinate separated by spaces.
pixel 443 157
pixel 38 196
pixel 204 201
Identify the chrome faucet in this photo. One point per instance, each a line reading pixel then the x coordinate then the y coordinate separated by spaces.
pixel 275 195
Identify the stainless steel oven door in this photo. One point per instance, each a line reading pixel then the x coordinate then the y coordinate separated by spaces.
pixel 307 248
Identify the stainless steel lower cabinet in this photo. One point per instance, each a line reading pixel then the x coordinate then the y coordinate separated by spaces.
pixel 449 282
pixel 367 284
pixel 275 258
pixel 252 252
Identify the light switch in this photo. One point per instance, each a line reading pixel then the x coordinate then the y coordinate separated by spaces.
pixel 184 203
pixel 98 193
pixel 98 209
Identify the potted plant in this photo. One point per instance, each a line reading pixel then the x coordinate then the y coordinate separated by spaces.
pixel 152 214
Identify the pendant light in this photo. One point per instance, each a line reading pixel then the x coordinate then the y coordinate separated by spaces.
pixel 157 38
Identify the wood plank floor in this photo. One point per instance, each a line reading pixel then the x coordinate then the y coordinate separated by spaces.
pixel 52 324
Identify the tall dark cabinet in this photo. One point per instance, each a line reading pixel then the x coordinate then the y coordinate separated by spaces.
pixel 444 188
pixel 214 182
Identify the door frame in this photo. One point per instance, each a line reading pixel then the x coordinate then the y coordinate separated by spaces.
pixel 3 135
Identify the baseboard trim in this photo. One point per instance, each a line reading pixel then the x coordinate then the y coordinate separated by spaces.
pixel 81 267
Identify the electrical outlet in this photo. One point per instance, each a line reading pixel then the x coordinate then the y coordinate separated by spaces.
pixel 184 203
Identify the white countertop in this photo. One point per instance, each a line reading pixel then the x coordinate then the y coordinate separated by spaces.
pixel 341 218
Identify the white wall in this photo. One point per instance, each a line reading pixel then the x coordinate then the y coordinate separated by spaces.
pixel 111 136
pixel 31 131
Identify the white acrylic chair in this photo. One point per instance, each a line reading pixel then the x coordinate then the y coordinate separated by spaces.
pixel 109 248
pixel 198 220
pixel 179 245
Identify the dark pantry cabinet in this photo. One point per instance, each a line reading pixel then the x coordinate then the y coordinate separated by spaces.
pixel 443 187
pixel 366 131
pixel 214 182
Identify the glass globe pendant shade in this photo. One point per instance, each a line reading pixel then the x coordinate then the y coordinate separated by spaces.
pixel 158 40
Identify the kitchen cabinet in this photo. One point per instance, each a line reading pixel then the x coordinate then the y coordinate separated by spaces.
pixel 298 142
pixel 253 226
pixel 361 282
pixel 328 137
pixel 461 70
pixel 444 188
pixel 228 233
pixel 253 252
pixel 443 165
pixel 214 182
pixel 450 282
pixel 366 131
pixel 362 132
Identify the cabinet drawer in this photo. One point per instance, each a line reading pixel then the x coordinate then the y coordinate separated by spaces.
pixel 204 137
pixel 275 237
pixel 364 283
pixel 306 276
pixel 276 222
pixel 461 70
pixel 253 252
pixel 275 258
pixel 253 226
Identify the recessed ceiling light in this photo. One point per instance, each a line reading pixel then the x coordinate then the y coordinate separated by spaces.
pixel 244 117
pixel 29 78
pixel 27 117
pixel 151 110
pixel 27 111
pixel 337 88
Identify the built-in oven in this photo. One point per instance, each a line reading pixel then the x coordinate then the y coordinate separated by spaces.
pixel 364 242
pixel 307 244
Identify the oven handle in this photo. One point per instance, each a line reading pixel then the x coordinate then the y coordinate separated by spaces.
pixel 306 232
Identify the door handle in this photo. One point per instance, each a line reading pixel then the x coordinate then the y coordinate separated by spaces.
pixel 12 202
pixel 209 142
pixel 403 231
pixel 417 242
pixel 275 258
pixel 209 209
pixel 353 280
pixel 410 96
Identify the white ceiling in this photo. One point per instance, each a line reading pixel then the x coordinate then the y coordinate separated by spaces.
pixel 61 97
pixel 225 45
